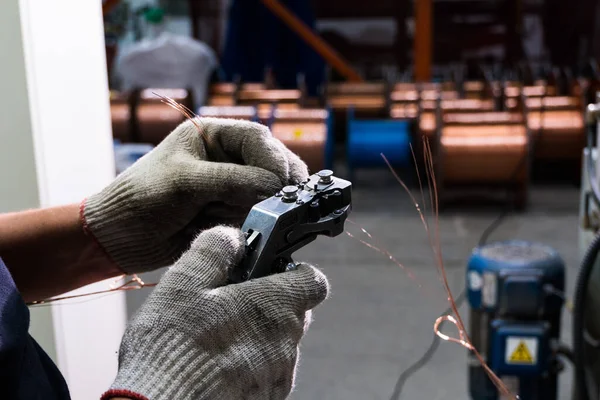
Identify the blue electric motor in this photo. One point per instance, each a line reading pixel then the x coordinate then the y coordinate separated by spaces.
pixel 514 290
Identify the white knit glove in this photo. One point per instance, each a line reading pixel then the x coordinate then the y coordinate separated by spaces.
pixel 149 215
pixel 197 338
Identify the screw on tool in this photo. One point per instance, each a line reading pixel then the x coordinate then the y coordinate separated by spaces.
pixel 290 193
pixel 325 176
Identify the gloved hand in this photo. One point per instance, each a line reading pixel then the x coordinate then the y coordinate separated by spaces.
pixel 148 216
pixel 197 338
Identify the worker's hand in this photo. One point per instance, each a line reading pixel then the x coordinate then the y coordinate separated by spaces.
pixel 198 338
pixel 148 216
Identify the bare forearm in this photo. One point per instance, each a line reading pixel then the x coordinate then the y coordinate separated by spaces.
pixel 48 253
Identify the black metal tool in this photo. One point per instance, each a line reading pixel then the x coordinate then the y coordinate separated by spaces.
pixel 288 221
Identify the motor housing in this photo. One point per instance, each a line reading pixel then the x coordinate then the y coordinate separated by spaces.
pixel 515 291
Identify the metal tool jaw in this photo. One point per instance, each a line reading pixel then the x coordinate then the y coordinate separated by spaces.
pixel 288 221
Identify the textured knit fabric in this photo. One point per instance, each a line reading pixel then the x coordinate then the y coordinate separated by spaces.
pixel 197 338
pixel 148 216
pixel 26 371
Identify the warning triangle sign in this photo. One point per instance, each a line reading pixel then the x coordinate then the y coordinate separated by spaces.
pixel 521 354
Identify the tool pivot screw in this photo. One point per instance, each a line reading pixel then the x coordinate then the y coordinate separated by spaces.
pixel 290 193
pixel 325 176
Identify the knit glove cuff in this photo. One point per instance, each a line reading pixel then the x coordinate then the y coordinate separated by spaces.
pixel 165 367
pixel 118 241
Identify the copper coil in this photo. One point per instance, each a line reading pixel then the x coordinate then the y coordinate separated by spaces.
pixel 223 88
pixel 221 94
pixel 427 124
pixel 450 100
pixel 235 112
pixel 304 132
pixel 529 91
pixel 155 120
pixel 480 154
pixel 552 102
pixel 405 87
pixel 364 102
pixel 356 88
pixel 428 105
pixel 404 96
pixel 252 87
pixel 479 110
pixel 221 100
pixel 473 86
pixel 265 110
pixel 404 111
pixel 120 110
pixel 558 134
pixel 468 104
pixel 485 118
pixel 474 89
pixel 433 95
pixel 301 114
pixel 269 96
pixel 512 103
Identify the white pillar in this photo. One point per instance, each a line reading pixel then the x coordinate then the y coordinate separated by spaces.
pixel 56 148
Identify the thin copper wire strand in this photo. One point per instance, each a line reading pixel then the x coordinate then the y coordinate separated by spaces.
pixel 412 152
pixel 378 248
pixel 448 338
pixel 381 250
pixel 460 325
pixel 457 320
pixel 134 283
pixel 186 112
pixel 407 190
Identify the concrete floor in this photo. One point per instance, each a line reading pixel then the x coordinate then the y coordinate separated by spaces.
pixel 378 320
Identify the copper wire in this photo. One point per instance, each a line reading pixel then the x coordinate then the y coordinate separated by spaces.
pixel 404 111
pixel 561 122
pixel 154 120
pixel 482 148
pixel 134 283
pixel 356 88
pixel 371 101
pixel 552 103
pixel 434 241
pixel 367 96
pixel 195 119
pixel 268 96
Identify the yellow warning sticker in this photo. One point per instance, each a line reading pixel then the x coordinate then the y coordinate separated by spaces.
pixel 297 134
pixel 521 350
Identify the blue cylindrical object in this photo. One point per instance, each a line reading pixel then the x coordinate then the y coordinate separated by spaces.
pixel 368 139
pixel 515 291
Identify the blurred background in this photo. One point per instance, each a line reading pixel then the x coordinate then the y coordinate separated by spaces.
pixel 494 92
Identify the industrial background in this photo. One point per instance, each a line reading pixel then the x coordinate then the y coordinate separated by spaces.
pixel 493 102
